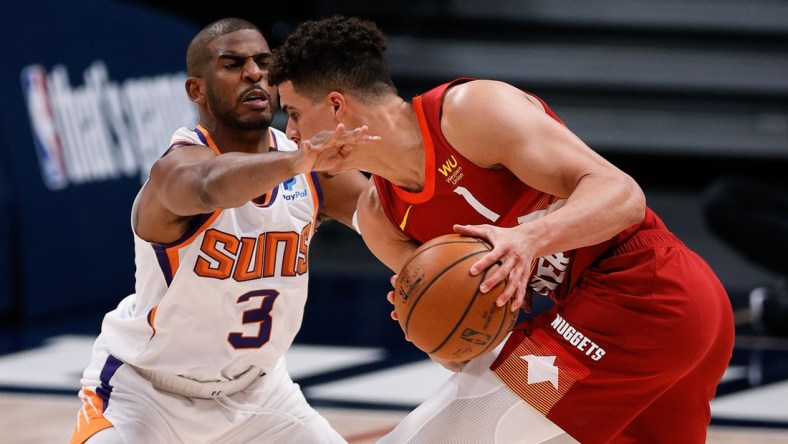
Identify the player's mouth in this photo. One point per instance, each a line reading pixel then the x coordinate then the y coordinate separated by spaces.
pixel 255 98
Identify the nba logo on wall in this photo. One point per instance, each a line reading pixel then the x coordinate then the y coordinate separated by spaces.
pixel 45 135
pixel 101 130
pixel 294 189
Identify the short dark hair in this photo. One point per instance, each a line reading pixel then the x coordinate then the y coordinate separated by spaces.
pixel 198 55
pixel 338 53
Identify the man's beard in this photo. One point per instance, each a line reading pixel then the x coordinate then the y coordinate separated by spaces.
pixel 227 117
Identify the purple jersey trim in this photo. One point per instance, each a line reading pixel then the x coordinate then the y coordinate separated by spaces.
pixel 107 372
pixel 161 249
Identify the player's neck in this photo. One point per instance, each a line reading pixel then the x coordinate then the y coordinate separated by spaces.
pixel 399 157
pixel 407 170
pixel 235 140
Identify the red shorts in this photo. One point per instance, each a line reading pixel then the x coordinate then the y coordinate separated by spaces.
pixel 635 351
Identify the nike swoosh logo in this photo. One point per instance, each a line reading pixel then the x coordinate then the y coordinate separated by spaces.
pixel 405 218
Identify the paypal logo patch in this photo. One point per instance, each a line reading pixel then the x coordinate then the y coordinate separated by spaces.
pixel 294 189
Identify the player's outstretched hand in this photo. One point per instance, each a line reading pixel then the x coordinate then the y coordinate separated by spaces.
pixel 326 150
pixel 511 252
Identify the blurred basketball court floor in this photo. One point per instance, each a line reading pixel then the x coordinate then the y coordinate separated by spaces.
pixel 365 387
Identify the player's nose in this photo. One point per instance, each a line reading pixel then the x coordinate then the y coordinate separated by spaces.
pixel 292 131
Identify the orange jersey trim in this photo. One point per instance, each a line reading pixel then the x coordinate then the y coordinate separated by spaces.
pixel 310 179
pixel 269 196
pixel 173 258
pixel 90 419
pixel 429 161
pixel 152 319
pixel 209 139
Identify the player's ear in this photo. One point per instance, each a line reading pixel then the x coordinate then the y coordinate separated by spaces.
pixel 195 90
pixel 338 103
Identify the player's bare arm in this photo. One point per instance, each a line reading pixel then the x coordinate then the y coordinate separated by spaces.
pixel 341 194
pixel 390 246
pixel 193 179
pixel 496 125
pixel 383 239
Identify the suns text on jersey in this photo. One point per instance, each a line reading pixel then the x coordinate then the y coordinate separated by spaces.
pixel 223 255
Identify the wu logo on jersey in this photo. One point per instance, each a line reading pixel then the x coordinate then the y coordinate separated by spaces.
pixel 294 189
pixel 451 170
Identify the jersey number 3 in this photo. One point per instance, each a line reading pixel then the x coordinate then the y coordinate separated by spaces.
pixel 260 315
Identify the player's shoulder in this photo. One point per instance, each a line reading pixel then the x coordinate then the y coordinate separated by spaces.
pixel 478 102
pixel 281 141
pixel 184 135
pixel 478 89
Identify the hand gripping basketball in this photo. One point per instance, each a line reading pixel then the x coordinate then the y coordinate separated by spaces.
pixel 439 305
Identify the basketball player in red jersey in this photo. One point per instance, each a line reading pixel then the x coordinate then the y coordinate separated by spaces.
pixel 641 330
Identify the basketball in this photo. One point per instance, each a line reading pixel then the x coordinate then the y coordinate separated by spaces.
pixel 439 305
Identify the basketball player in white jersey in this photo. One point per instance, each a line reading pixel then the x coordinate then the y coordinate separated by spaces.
pixel 222 231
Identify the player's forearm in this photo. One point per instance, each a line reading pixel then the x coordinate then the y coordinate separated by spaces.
pixel 598 209
pixel 232 179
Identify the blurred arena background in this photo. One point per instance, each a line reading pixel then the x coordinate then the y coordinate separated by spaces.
pixel 675 92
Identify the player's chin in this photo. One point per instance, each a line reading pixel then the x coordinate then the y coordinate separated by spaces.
pixel 256 119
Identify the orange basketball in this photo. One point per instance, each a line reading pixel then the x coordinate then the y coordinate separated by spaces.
pixel 439 305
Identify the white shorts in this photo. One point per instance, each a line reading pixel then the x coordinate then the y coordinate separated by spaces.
pixel 474 407
pixel 277 412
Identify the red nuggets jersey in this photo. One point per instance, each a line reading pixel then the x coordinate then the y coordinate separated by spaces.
pixel 456 191
pixel 622 355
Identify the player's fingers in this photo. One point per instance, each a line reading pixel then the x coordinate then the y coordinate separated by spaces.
pixel 494 276
pixel 515 284
pixel 339 131
pixel 369 138
pixel 519 295
pixel 485 262
pixel 364 136
pixel 507 294
pixel 326 139
pixel 394 315
pixel 325 136
pixel 352 136
pixel 472 230
pixel 356 133
pixel 390 296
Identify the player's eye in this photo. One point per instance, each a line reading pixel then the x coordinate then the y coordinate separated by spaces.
pixel 262 62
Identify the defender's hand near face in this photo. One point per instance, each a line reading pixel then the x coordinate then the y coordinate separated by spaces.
pixel 326 150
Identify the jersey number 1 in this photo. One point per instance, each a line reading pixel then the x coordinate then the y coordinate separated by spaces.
pixel 476 205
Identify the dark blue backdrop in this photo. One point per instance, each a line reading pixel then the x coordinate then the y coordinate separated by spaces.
pixel 69 250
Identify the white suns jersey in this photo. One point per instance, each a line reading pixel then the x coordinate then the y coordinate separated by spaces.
pixel 227 295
